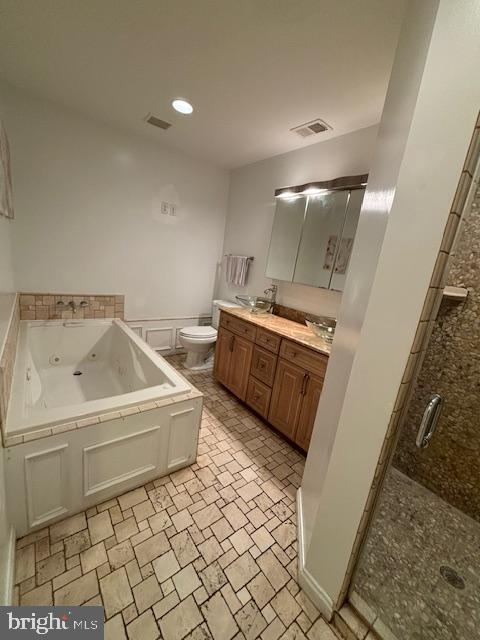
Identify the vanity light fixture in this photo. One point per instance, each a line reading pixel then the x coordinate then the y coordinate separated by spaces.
pixel 315 188
pixel 314 191
pixel 182 106
pixel 287 194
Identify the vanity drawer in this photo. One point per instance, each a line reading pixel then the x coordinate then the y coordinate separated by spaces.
pixel 303 357
pixel 268 340
pixel 238 326
pixel 263 365
pixel 258 396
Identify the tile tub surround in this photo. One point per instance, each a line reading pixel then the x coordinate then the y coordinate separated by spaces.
pixel 43 306
pixel 385 579
pixel 7 360
pixel 207 552
pixel 451 367
pixel 11 441
pixel 286 328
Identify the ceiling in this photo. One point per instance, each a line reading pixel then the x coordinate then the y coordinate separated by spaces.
pixel 252 69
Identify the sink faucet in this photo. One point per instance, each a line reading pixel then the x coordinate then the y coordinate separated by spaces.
pixel 271 292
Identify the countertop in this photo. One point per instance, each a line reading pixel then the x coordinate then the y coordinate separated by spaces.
pixel 283 327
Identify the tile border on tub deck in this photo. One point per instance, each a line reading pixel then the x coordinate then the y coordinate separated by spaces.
pixel 427 318
pixel 11 441
pixel 43 306
pixel 7 361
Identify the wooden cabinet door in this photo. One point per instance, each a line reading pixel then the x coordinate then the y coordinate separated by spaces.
pixel 223 355
pixel 239 368
pixel 264 364
pixel 286 397
pixel 258 396
pixel 312 390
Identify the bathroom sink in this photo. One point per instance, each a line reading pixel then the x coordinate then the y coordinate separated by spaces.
pixel 322 326
pixel 256 304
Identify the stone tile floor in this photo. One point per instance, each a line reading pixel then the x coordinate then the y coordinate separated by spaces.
pixel 207 552
pixel 413 534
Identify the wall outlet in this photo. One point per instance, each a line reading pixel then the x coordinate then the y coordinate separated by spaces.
pixel 168 209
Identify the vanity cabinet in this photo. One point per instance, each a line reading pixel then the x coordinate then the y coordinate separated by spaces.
pixel 278 378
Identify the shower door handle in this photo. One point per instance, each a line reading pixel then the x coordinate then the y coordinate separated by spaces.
pixel 429 421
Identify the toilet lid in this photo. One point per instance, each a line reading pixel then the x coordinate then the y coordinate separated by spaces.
pixel 199 332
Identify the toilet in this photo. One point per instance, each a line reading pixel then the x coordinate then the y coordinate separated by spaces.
pixel 198 341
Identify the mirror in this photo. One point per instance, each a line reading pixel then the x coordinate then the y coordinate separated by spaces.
pixel 286 232
pixel 312 237
pixel 346 242
pixel 321 229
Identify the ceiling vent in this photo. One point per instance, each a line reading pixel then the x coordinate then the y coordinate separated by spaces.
pixel 157 122
pixel 310 128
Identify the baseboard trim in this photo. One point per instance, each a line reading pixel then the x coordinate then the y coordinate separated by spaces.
pixel 315 592
pixel 7 569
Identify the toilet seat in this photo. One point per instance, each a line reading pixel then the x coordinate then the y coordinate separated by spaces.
pixel 199 332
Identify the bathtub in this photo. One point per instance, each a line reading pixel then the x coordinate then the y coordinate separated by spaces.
pixel 93 412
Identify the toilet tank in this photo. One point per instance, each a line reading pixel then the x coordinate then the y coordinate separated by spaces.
pixel 216 310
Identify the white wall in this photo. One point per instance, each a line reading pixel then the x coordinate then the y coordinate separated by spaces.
pixel 6 258
pixel 251 209
pixel 414 176
pixel 87 201
pixel 7 285
pixel 7 541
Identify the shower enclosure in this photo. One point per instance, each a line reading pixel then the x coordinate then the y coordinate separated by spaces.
pixel 418 575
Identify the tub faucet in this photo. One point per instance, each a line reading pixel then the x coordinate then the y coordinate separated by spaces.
pixel 75 307
pixel 271 292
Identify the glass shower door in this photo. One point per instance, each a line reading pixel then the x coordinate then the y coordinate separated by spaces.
pixel 418 576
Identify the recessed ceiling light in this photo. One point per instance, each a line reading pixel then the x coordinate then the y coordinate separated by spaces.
pixel 182 106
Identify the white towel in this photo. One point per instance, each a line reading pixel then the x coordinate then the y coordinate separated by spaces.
pixel 237 267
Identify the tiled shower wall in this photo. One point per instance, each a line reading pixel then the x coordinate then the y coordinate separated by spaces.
pixel 450 466
pixel 44 306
